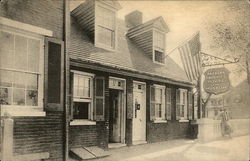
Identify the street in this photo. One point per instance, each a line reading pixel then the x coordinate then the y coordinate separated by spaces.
pixel 235 149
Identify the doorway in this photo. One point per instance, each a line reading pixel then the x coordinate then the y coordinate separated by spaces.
pixel 139 112
pixel 117 112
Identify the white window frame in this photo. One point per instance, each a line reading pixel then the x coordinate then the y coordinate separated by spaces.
pixel 16 110
pixel 157 48
pixel 98 25
pixel 88 121
pixel 161 119
pixel 185 104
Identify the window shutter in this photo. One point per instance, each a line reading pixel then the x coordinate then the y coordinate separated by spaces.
pixel 152 103
pixel 99 98
pixel 168 103
pixel 177 104
pixel 71 90
pixel 54 74
pixel 190 105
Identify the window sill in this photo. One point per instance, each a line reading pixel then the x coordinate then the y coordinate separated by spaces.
pixel 20 111
pixel 183 120
pixel 82 122
pixel 160 121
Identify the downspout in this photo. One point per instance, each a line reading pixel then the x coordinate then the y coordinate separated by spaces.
pixel 66 32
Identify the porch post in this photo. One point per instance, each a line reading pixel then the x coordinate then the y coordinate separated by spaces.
pixel 7 138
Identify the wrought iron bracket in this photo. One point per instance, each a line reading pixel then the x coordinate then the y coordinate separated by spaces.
pixel 210 60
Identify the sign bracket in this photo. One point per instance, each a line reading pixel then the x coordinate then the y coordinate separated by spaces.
pixel 210 60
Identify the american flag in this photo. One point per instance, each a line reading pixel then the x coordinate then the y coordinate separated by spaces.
pixel 190 57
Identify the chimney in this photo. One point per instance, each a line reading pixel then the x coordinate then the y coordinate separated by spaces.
pixel 133 19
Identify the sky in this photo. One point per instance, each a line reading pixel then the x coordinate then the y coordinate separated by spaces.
pixel 184 18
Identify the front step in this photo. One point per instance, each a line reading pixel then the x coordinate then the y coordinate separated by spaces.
pixel 87 153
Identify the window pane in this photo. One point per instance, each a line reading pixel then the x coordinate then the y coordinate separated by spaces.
pixel 159 56
pixel 6 78
pixel 106 36
pixel 33 55
pixel 5 96
pixel 31 81
pixel 81 110
pixel 31 98
pixel 158 95
pixel 19 80
pixel 106 18
pixel 6 58
pixel 20 53
pixel 182 110
pixel 6 41
pixel 18 96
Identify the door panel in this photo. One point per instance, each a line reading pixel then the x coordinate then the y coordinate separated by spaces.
pixel 139 114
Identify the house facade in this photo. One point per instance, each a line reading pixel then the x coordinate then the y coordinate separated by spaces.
pixel 120 86
pixel 31 79
pixel 124 89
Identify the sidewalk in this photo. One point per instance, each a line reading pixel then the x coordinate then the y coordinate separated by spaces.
pixel 235 149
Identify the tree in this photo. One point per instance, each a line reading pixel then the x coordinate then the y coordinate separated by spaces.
pixel 230 33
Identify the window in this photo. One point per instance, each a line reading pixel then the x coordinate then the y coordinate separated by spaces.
pixel 158 57
pixel 159 47
pixel 105 27
pixel 83 96
pixel 21 70
pixel 181 104
pixel 157 105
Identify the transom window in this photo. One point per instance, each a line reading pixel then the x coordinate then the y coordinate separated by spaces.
pixel 21 69
pixel 82 96
pixel 105 27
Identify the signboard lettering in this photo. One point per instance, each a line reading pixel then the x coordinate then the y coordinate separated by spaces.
pixel 216 81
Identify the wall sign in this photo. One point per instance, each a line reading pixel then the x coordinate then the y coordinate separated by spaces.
pixel 216 81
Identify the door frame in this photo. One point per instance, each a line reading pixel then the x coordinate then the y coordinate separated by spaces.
pixel 145 110
pixel 123 116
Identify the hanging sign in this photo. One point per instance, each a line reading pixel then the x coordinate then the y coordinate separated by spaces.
pixel 216 81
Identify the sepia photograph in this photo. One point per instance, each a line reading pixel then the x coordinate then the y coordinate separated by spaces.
pixel 124 80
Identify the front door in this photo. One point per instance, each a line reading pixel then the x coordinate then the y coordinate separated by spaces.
pixel 139 114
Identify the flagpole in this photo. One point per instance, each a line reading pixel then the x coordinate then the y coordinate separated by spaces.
pixel 201 110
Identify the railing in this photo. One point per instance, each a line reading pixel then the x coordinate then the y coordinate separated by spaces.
pixel 210 129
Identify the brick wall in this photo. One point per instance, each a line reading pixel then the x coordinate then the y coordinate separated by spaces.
pixel 173 129
pixel 47 14
pixel 38 134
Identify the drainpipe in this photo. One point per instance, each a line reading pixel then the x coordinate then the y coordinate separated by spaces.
pixel 66 32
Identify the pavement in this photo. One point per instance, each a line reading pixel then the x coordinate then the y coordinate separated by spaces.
pixel 234 149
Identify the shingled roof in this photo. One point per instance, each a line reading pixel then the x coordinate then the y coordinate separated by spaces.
pixel 127 55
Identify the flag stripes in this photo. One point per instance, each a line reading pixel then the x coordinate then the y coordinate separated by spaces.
pixel 189 53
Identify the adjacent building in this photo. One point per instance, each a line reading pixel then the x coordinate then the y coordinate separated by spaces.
pixel 31 77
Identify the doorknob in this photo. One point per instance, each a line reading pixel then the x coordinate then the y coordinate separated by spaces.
pixel 140 119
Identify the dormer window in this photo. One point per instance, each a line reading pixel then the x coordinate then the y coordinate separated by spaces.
pixel 149 36
pixel 159 46
pixel 105 27
pixel 98 19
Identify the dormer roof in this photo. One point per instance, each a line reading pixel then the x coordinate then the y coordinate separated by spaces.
pixel 157 23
